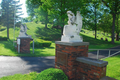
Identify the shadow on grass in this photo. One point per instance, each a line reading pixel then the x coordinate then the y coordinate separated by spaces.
pixel 3 29
pixel 48 33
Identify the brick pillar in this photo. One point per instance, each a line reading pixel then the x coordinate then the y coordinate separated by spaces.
pixel 24 44
pixel 66 54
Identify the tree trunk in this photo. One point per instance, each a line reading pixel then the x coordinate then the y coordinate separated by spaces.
pixel 8 30
pixel 46 22
pixel 95 24
pixel 7 22
pixel 113 27
pixel 117 36
pixel 117 29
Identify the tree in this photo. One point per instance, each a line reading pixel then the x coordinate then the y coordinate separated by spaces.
pixel 8 13
pixel 31 5
pixel 54 9
pixel 117 29
pixel 114 6
pixel 58 9
pixel 38 12
pixel 93 14
pixel 42 15
pixel 105 23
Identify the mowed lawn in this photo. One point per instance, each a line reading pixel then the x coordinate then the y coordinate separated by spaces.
pixel 113 67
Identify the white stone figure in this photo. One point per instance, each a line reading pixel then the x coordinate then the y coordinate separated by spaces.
pixel 23 31
pixel 72 30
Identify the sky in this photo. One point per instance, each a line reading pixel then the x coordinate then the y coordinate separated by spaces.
pixel 23 8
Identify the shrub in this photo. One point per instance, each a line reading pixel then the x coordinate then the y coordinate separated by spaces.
pixel 40 43
pixel 52 74
pixel 3 38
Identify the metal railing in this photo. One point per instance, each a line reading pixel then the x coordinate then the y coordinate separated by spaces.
pixel 109 55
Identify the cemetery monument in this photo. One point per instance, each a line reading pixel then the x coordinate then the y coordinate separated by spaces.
pixel 23 40
pixel 72 30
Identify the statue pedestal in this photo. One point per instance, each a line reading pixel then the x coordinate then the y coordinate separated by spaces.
pixel 24 44
pixel 72 58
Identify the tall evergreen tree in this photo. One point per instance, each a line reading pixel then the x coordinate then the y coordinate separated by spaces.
pixel 9 10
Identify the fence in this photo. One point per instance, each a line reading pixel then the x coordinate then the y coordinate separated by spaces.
pixel 109 55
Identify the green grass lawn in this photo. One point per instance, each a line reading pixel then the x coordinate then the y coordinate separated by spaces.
pixel 113 67
pixel 7 49
pixel 30 76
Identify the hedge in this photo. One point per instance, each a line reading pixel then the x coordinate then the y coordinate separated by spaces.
pixel 3 38
pixel 38 43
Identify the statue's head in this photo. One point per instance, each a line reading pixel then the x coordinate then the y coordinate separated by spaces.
pixel 70 13
pixel 22 28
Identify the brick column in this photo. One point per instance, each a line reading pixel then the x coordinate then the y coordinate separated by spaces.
pixel 66 54
pixel 24 44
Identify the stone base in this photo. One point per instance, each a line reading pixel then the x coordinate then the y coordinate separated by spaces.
pixel 74 38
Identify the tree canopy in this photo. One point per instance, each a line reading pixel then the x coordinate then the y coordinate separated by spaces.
pixel 92 11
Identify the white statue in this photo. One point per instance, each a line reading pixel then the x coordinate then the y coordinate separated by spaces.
pixel 23 31
pixel 72 30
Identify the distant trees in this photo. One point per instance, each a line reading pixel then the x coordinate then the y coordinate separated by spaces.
pixel 94 13
pixel 9 10
pixel 114 6
pixel 53 9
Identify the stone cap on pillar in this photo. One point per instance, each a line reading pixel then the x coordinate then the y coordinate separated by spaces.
pixel 72 43
pixel 95 62
pixel 24 38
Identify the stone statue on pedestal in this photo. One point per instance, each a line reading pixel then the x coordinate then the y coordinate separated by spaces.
pixel 23 31
pixel 72 30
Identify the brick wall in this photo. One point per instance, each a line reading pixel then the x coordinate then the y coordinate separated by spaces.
pixel 68 64
pixel 90 69
pixel 67 59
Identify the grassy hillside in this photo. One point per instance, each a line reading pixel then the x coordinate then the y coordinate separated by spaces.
pixel 8 49
pixel 52 34
pixel 88 36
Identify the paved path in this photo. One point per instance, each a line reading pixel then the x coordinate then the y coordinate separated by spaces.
pixel 14 65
